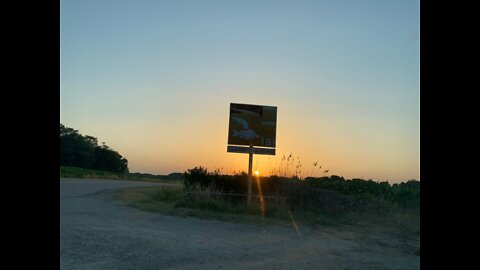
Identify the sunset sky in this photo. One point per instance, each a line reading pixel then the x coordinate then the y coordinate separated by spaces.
pixel 155 79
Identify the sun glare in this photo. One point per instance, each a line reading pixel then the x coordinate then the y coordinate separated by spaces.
pixel 256 173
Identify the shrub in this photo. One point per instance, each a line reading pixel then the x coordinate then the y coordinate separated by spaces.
pixel 328 195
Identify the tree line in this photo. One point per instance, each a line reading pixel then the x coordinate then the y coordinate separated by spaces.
pixel 77 150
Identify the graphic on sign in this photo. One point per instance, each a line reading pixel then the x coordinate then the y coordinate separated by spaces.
pixel 252 124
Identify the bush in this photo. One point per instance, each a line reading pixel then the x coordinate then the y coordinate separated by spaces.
pixel 196 177
pixel 199 178
pixel 328 195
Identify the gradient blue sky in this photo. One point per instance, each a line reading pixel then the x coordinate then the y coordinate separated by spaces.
pixel 154 80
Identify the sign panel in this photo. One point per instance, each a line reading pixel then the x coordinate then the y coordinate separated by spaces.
pixel 247 150
pixel 252 124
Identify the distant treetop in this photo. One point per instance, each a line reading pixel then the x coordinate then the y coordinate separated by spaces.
pixel 83 151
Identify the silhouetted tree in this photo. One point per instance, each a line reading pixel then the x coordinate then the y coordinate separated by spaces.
pixel 83 151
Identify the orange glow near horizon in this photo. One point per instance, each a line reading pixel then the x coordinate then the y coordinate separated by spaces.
pixel 351 148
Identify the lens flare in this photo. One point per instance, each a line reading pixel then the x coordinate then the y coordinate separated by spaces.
pixel 260 194
pixel 295 226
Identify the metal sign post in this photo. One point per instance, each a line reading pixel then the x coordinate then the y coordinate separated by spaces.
pixel 250 151
pixel 250 161
pixel 252 125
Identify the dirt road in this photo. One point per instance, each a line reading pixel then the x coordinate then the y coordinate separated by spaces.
pixel 98 233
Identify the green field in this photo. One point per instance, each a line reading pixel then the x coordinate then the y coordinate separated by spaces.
pixel 173 200
pixel 75 172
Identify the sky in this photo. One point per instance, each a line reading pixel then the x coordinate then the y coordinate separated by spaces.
pixel 154 80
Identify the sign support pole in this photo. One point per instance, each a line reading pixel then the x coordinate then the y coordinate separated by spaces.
pixel 250 159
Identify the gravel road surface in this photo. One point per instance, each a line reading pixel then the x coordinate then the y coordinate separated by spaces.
pixel 98 233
